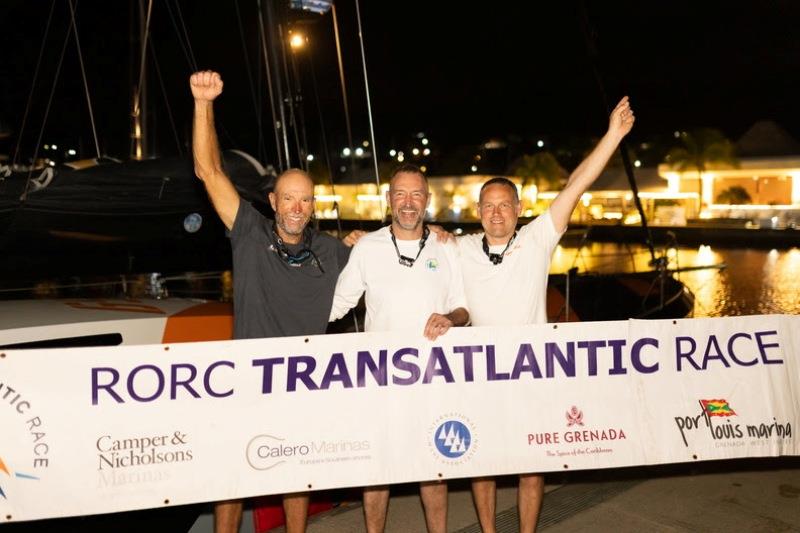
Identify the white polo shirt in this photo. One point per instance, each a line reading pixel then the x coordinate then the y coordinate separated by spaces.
pixel 515 291
pixel 397 296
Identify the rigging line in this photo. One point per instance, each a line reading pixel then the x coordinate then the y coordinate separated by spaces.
pixel 592 51
pixel 290 92
pixel 325 146
pixel 275 123
pixel 46 113
pixel 369 108
pixel 166 98
pixel 33 84
pixel 249 75
pixel 273 25
pixel 180 38
pixel 186 34
pixel 72 8
pixel 344 90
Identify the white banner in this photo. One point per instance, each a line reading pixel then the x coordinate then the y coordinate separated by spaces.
pixel 98 430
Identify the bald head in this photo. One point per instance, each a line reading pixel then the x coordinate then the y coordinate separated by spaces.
pixel 293 177
pixel 293 203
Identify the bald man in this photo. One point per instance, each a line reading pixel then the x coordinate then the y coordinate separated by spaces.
pixel 284 271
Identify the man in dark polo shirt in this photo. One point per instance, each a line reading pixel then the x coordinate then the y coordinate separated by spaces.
pixel 284 271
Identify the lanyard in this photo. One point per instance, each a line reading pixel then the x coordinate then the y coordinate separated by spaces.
pixel 496 259
pixel 405 260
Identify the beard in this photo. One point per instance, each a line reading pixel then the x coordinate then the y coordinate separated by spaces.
pixel 291 227
pixel 404 222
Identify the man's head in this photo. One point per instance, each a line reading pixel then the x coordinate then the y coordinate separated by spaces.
pixel 408 197
pixel 293 203
pixel 499 208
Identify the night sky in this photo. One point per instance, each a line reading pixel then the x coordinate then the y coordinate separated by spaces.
pixel 459 73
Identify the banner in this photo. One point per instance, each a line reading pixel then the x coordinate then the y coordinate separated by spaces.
pixel 97 430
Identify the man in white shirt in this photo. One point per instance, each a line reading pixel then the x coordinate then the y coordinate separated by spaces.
pixel 505 276
pixel 412 281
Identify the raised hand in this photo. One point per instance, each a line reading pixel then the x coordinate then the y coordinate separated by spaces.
pixel 621 120
pixel 206 85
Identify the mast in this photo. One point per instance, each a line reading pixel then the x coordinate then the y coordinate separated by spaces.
pixel 593 53
pixel 139 144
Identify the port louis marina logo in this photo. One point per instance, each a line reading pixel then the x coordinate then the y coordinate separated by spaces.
pixel 451 438
pixel 578 438
pixel 716 420
pixel 20 468
pixel 265 452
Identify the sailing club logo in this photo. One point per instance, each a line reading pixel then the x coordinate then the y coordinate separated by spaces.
pixel 452 439
pixel 21 463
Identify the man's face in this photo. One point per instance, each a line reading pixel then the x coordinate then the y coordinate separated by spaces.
pixel 499 210
pixel 408 198
pixel 293 202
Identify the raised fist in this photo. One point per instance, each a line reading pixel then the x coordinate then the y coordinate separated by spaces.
pixel 206 85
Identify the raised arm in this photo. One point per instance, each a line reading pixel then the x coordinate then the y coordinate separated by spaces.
pixel 619 124
pixel 206 86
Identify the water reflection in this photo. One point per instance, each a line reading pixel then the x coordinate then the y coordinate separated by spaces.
pixel 754 282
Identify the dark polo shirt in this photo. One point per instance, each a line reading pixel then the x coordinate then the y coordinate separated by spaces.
pixel 272 298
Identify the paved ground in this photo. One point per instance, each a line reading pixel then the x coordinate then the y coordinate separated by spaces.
pixel 723 496
pixel 760 496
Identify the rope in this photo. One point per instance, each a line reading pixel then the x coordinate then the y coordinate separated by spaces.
pixel 344 91
pixel 261 148
pixel 186 52
pixel 186 35
pixel 268 70
pixel 46 113
pixel 369 108
pixel 166 98
pixel 72 8
pixel 33 84
pixel 325 146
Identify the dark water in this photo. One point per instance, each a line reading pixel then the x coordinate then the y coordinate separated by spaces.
pixel 753 282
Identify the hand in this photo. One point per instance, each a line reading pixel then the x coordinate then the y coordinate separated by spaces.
pixel 442 235
pixel 437 325
pixel 353 237
pixel 206 85
pixel 622 119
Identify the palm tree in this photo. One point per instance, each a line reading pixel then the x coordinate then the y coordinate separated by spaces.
pixel 542 168
pixel 701 149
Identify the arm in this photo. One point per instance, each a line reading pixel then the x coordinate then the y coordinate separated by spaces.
pixel 349 287
pixel 206 86
pixel 456 301
pixel 619 124
pixel 439 324
pixel 353 237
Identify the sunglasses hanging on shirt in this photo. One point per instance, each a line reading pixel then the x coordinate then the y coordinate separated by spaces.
pixel 299 258
pixel 403 259
pixel 496 259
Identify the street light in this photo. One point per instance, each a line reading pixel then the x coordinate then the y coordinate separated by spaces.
pixel 297 40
